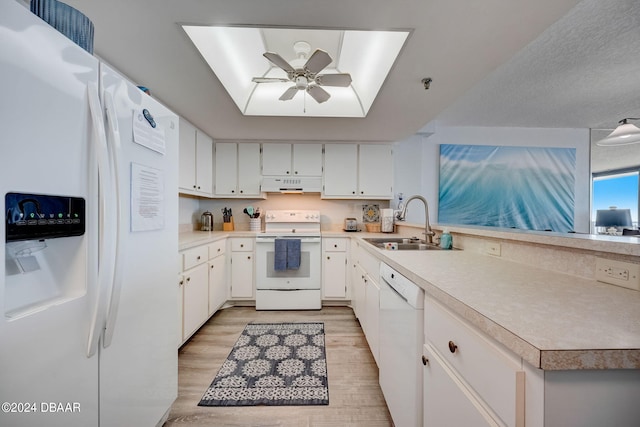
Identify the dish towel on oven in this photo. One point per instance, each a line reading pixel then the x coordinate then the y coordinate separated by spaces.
pixel 293 254
pixel 286 254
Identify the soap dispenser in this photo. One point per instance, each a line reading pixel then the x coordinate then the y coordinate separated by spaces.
pixel 445 240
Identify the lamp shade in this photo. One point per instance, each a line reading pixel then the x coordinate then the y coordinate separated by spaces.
pixel 624 134
pixel 613 218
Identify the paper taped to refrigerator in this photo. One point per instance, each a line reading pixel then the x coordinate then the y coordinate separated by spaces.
pixel 147 198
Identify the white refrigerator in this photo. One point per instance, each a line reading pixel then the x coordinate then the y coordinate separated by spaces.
pixel 88 183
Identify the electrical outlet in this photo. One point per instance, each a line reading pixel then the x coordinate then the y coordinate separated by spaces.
pixel 618 273
pixel 492 248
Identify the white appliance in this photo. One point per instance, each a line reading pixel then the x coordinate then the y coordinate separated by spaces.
pixel 401 337
pixel 289 288
pixel 89 189
pixel 296 184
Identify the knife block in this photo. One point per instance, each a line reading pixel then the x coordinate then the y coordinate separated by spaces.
pixel 228 226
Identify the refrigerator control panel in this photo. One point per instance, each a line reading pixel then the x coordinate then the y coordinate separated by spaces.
pixel 39 216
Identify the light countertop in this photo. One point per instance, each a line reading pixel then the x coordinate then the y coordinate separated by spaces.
pixel 553 321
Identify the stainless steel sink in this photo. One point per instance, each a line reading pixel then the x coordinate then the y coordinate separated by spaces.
pixel 403 244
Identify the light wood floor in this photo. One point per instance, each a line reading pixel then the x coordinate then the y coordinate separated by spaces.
pixel 355 398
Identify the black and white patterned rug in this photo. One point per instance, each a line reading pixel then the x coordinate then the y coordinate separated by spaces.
pixel 273 364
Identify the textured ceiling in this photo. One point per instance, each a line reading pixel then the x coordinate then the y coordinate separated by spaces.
pixel 584 71
pixel 457 43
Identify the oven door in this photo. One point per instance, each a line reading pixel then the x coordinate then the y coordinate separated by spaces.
pixel 306 277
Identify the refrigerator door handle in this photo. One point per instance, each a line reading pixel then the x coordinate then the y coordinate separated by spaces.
pixel 106 221
pixel 114 142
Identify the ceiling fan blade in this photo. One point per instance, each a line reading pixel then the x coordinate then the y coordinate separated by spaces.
pixel 279 61
pixel 317 93
pixel 317 61
pixel 288 94
pixel 339 80
pixel 269 80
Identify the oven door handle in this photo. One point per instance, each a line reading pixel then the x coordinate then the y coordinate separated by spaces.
pixel 302 239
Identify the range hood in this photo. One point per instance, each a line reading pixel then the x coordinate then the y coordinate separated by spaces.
pixel 289 184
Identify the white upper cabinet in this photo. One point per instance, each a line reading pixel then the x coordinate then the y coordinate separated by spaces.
pixel 375 171
pixel 196 161
pixel 307 159
pixel 237 169
pixel 340 170
pixel 279 159
pixel 358 171
pixel 249 177
pixel 226 169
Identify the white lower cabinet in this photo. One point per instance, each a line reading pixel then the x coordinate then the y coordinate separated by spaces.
pixel 372 325
pixel 447 401
pixel 202 286
pixel 358 285
pixel 180 319
pixel 365 295
pixel 481 373
pixel 217 276
pixel 334 268
pixel 242 268
pixel 196 300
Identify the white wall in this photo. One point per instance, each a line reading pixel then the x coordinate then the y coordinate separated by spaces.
pixel 429 151
pixel 411 173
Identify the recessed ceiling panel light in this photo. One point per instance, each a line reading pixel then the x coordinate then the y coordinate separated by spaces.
pixel 335 73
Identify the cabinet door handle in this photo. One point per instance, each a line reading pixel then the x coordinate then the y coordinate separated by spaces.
pixel 198 258
pixel 425 361
pixel 248 257
pixel 328 257
pixel 452 347
pixel 212 267
pixel 188 279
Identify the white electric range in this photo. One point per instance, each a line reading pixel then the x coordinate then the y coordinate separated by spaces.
pixel 292 284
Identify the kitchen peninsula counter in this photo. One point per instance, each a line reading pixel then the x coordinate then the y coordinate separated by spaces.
pixel 554 321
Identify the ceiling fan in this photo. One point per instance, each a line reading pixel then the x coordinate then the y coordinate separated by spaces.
pixel 303 73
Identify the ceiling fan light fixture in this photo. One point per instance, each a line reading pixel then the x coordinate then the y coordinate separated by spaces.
pixel 301 82
pixel 625 134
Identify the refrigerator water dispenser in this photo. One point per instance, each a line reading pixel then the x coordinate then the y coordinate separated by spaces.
pixel 45 251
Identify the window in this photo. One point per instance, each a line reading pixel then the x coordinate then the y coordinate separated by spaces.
pixel 616 188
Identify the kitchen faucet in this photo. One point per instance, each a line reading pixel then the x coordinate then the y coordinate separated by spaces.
pixel 428 234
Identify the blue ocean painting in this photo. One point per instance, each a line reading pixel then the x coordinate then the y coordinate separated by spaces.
pixel 529 188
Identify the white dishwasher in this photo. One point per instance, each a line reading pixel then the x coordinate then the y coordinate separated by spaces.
pixel 401 340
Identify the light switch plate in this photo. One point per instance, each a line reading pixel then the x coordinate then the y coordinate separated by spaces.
pixel 618 273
